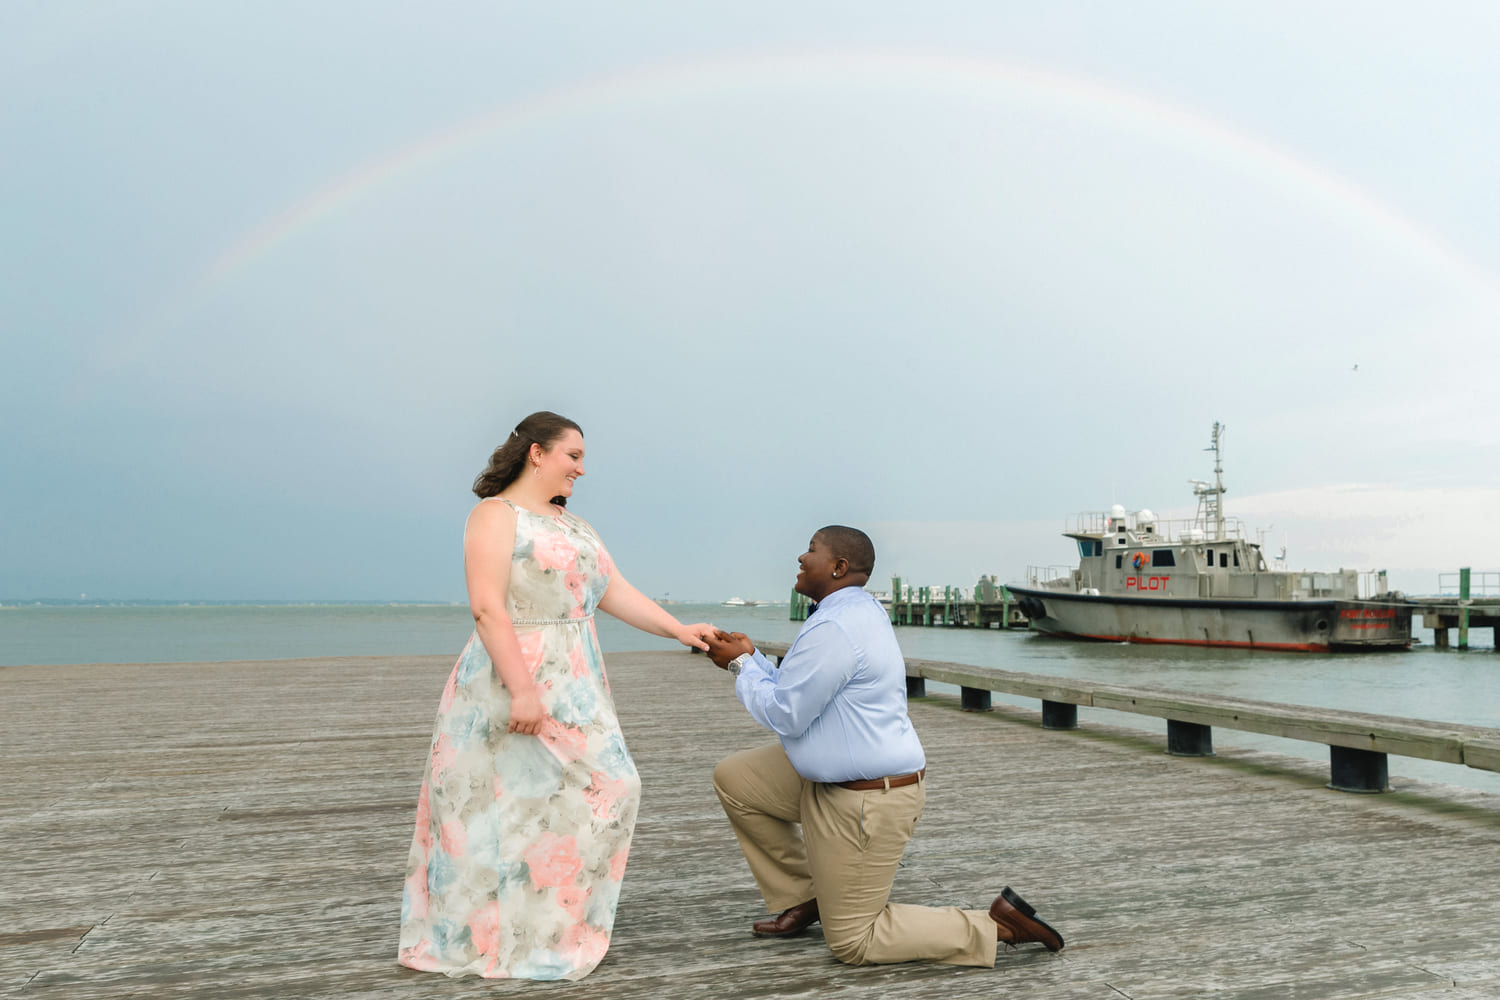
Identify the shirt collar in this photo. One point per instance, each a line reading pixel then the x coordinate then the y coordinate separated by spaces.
pixel 842 596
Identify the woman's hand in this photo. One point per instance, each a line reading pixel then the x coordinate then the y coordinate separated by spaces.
pixel 725 646
pixel 527 714
pixel 694 635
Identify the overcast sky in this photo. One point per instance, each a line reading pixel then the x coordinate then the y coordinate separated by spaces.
pixel 276 277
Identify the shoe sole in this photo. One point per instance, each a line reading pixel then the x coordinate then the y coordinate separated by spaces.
pixel 1014 899
pixel 1029 912
pixel 782 934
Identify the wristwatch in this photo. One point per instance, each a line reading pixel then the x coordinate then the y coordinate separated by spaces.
pixel 737 664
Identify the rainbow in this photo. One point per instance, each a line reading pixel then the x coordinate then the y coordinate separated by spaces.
pixel 942 75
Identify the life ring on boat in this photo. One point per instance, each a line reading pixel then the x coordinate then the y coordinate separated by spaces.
pixel 1138 561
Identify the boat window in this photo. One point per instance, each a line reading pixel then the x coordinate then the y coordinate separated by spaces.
pixel 1119 561
pixel 1210 558
pixel 1236 557
pixel 1162 557
pixel 1224 560
pixel 1087 547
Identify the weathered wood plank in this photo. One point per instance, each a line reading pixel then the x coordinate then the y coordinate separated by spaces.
pixel 239 831
pixel 1484 753
pixel 1410 738
pixel 1023 685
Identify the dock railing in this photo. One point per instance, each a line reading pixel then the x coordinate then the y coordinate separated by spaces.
pixel 1476 604
pixel 1466 583
pixel 1358 743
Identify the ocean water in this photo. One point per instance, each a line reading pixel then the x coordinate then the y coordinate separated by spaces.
pixel 1424 683
pixel 192 633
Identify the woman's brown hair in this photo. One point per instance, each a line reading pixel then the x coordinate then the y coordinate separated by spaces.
pixel 509 460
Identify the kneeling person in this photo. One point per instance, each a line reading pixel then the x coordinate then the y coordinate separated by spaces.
pixel 850 770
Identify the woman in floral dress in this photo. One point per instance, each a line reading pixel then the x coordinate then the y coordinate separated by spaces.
pixel 529 800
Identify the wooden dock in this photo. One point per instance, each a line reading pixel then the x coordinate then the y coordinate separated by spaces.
pixel 1443 613
pixel 988 604
pixel 239 831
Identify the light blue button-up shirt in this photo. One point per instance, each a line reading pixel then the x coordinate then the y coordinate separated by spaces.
pixel 838 702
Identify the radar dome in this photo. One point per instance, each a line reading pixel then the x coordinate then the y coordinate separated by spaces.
pixel 1117 511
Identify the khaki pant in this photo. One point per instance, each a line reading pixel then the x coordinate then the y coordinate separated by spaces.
pixel 845 856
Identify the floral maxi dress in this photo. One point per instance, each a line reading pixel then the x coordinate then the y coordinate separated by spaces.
pixel 521 841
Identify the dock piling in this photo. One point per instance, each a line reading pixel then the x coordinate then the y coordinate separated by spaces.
pixel 1059 715
pixel 1189 739
pixel 1463 607
pixel 1355 770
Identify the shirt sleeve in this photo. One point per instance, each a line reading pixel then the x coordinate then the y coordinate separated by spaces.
pixel 786 701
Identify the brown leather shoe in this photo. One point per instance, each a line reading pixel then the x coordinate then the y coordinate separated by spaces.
pixel 789 922
pixel 1013 914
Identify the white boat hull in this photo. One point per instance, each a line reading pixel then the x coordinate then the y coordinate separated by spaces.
pixel 1311 625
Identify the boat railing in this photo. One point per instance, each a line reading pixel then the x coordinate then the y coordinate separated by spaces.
pixel 1087 523
pixel 1170 529
pixel 1340 584
pixel 1186 529
pixel 1042 576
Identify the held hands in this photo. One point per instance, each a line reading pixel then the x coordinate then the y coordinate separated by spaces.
pixel 695 635
pixel 725 646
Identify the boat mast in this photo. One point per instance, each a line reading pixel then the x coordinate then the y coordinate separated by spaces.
pixel 1210 498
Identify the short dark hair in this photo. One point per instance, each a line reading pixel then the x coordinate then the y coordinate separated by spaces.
pixel 851 544
pixel 509 460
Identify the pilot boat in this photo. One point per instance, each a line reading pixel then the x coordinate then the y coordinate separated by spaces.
pixel 1203 583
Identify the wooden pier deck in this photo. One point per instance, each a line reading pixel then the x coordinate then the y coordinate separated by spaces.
pixel 239 831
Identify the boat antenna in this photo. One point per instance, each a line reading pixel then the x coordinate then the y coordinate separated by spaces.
pixel 1211 499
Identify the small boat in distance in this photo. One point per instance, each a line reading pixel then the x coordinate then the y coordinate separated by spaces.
pixel 739 602
pixel 1202 583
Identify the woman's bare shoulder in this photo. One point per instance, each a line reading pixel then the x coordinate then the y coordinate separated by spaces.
pixel 491 511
